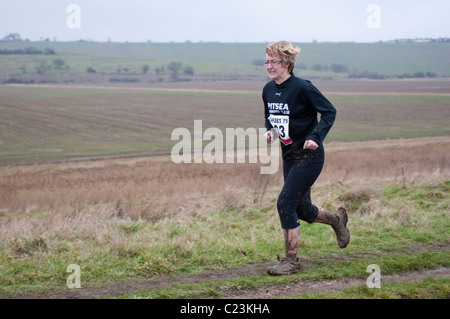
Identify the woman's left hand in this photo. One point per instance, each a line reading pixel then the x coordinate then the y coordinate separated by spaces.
pixel 310 145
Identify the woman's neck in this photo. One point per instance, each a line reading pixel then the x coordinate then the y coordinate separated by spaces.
pixel 282 79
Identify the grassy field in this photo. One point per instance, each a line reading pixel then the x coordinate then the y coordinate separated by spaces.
pixel 145 227
pixel 119 221
pixel 53 123
pixel 231 58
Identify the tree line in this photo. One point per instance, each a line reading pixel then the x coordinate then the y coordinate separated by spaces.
pixel 29 50
pixel 357 74
pixel 175 69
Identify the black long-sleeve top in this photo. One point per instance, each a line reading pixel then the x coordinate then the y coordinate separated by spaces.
pixel 291 108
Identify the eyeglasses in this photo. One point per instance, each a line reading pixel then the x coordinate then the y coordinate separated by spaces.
pixel 272 63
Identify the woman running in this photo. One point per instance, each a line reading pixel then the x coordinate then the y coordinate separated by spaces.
pixel 291 107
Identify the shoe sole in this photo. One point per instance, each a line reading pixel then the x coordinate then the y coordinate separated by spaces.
pixel 281 274
pixel 284 273
pixel 344 214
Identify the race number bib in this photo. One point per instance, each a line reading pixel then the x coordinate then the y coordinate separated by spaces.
pixel 281 124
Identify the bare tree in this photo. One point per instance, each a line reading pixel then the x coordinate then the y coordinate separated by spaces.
pixel 12 37
pixel 145 69
pixel 174 68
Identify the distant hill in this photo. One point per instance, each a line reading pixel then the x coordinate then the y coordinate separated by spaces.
pixel 377 60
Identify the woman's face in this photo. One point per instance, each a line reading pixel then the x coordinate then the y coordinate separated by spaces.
pixel 277 70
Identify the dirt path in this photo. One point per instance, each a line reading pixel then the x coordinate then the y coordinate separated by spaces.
pixel 325 285
pixel 265 292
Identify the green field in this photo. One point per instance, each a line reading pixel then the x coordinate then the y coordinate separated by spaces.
pixel 211 255
pixel 229 59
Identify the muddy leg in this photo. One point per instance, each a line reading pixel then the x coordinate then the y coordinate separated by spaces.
pixel 289 264
pixel 325 217
pixel 338 222
pixel 291 237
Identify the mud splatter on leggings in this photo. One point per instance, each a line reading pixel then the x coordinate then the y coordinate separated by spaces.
pixel 300 170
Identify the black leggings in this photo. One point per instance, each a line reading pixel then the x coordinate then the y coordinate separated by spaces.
pixel 300 172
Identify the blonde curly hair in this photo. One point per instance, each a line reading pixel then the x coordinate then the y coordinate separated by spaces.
pixel 285 51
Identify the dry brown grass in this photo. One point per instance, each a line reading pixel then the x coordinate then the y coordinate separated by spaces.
pixel 394 161
pixel 149 187
pixel 155 186
pixel 80 197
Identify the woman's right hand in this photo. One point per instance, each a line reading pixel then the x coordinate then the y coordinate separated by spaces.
pixel 269 137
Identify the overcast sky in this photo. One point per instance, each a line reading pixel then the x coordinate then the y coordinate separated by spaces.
pixel 225 20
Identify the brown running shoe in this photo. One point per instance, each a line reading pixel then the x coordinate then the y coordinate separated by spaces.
pixel 340 228
pixel 286 266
